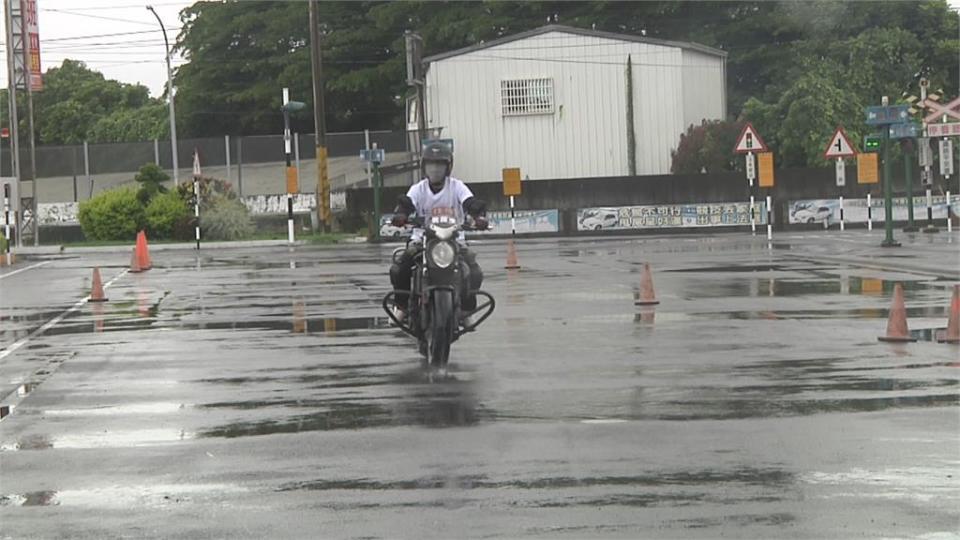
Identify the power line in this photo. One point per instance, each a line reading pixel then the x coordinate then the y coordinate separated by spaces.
pixel 107 35
pixel 132 6
pixel 117 19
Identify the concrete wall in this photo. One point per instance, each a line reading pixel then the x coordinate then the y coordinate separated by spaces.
pixel 568 195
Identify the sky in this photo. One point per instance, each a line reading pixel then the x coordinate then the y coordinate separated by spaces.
pixel 78 29
pixel 83 30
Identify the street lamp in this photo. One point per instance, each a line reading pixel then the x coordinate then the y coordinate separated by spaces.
pixel 173 119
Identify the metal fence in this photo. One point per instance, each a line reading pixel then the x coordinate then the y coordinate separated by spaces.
pixel 76 172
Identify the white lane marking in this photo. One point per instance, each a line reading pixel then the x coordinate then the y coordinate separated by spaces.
pixel 15 272
pixel 56 320
pixel 603 421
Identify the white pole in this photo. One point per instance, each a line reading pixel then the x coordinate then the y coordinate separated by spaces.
pixel 769 223
pixel 296 152
pixel 156 152
pixel 287 151
pixel 86 167
pixel 949 221
pixel 196 207
pixel 513 219
pixel 366 144
pixel 753 218
pixel 226 149
pixel 869 213
pixel 841 213
pixel 6 217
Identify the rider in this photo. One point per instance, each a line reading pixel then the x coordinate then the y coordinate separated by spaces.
pixel 437 193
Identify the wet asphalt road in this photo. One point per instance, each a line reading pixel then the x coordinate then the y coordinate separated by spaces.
pixel 261 393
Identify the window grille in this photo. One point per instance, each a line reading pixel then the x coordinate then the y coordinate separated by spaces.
pixel 519 97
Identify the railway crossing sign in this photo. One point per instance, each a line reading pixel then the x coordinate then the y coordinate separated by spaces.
pixel 840 146
pixel 951 109
pixel 749 141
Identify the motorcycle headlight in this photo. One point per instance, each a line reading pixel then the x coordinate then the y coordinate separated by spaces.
pixel 442 254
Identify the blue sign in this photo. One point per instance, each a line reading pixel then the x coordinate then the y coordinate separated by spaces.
pixel 904 131
pixel 895 114
pixel 374 155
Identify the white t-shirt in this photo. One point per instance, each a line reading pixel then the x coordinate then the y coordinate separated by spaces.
pixel 446 202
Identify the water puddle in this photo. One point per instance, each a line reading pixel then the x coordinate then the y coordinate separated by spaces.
pixel 104 439
pixel 154 495
pixel 742 476
pixel 296 323
pixel 810 314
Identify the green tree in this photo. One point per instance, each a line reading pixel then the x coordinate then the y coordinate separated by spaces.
pixel 78 104
pixel 707 148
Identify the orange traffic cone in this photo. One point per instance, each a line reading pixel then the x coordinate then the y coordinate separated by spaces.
pixel 512 263
pixel 96 295
pixel 143 252
pixel 897 330
pixel 135 263
pixel 97 310
pixel 647 296
pixel 952 334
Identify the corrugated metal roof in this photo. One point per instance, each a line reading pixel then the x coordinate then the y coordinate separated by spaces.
pixel 577 31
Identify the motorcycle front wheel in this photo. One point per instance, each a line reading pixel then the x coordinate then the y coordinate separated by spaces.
pixel 440 329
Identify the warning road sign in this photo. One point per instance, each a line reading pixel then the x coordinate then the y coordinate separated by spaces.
pixel 951 110
pixel 839 146
pixel 749 141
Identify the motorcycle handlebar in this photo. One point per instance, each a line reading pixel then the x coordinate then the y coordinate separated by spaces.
pixel 419 222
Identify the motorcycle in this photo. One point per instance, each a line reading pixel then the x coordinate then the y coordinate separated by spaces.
pixel 440 277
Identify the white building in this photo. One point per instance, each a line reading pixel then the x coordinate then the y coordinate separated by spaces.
pixel 553 101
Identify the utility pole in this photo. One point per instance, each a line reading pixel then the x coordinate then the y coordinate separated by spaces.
pixel 631 133
pixel 12 103
pixel 28 84
pixel 319 121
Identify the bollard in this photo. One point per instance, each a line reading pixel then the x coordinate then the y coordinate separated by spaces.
pixel 753 220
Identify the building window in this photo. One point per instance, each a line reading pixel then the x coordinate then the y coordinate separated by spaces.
pixel 520 97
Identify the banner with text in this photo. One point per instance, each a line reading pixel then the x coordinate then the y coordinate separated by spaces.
pixel 855 210
pixel 670 216
pixel 528 221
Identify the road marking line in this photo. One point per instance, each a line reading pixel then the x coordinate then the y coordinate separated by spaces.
pixel 56 320
pixel 15 272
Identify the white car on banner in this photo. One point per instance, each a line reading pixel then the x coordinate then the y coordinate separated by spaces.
pixel 389 230
pixel 596 219
pixel 813 211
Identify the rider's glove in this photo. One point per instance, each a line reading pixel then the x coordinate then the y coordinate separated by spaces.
pixel 481 223
pixel 399 220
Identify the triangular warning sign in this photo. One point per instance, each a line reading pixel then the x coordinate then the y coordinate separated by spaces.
pixel 749 141
pixel 196 163
pixel 839 146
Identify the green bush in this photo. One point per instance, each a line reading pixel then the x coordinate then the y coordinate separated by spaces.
pixel 166 215
pixel 225 219
pixel 115 214
pixel 211 191
pixel 150 177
